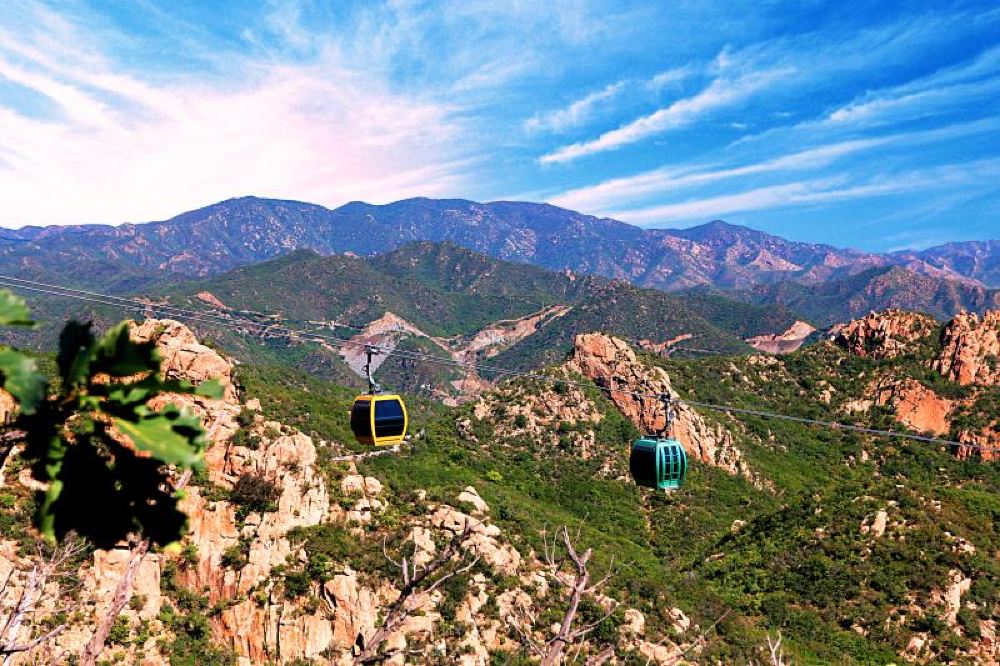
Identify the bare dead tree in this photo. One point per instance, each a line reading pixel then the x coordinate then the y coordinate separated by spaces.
pixel 774 648
pixel 31 597
pixel 122 595
pixel 578 580
pixel 123 591
pixel 418 582
pixel 356 457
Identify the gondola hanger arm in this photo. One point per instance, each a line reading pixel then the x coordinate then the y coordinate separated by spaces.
pixel 370 351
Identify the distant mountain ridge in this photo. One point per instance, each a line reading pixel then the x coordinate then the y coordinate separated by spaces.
pixel 249 229
pixel 876 289
pixel 239 232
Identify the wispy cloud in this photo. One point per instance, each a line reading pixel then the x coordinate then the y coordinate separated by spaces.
pixel 721 92
pixel 616 192
pixel 121 147
pixel 670 77
pixel 575 114
pixel 613 192
pixel 817 191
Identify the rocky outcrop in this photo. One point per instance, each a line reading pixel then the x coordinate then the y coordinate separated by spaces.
pixel 612 365
pixel 184 357
pixel 783 343
pixel 917 407
pixel 210 299
pixel 886 334
pixel 983 443
pixel 970 351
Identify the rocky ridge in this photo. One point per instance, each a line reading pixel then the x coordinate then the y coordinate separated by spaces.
pixel 564 415
pixel 884 335
pixel 971 353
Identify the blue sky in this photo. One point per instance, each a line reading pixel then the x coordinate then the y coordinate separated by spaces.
pixel 866 124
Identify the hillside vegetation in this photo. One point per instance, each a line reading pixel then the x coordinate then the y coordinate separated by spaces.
pixel 849 547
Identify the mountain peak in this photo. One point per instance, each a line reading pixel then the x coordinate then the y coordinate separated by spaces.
pixel 718 227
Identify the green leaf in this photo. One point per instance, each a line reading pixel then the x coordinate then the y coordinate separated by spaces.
pixel 21 379
pixel 14 311
pixel 55 454
pixel 76 344
pixel 120 356
pixel 211 389
pixel 170 435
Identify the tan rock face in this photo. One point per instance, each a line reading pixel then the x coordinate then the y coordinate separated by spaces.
pixel 983 443
pixel 7 406
pixel 971 353
pixel 917 406
pixel 183 356
pixel 951 597
pixel 885 334
pixel 612 364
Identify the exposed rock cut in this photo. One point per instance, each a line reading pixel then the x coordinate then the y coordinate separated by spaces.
pixel 783 343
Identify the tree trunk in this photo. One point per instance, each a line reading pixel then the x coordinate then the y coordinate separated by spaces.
pixel 123 593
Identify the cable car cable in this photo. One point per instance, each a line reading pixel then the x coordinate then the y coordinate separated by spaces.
pixel 343 343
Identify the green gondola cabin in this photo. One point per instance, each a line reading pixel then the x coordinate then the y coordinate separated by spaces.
pixel 658 462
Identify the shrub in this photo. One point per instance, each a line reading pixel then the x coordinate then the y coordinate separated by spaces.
pixel 254 493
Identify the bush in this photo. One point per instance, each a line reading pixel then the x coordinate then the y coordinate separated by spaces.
pixel 296 584
pixel 254 493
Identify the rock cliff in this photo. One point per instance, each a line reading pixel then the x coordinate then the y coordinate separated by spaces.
pixel 971 349
pixel 613 366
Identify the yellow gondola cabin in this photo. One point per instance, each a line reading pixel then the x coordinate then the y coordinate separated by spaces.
pixel 379 419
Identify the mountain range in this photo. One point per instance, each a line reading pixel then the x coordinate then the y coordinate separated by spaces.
pixel 246 230
pixel 427 298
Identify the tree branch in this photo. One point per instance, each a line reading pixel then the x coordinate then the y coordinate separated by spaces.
pixel 416 585
pixel 122 595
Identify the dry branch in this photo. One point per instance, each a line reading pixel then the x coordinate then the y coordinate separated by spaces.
pixel 417 584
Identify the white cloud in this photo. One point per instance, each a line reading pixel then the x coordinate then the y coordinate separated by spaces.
pixel 817 191
pixel 124 147
pixel 670 77
pixel 616 192
pixel 720 93
pixel 575 114
pixel 898 105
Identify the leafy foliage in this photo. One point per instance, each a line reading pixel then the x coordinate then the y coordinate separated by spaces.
pixel 19 373
pixel 95 442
